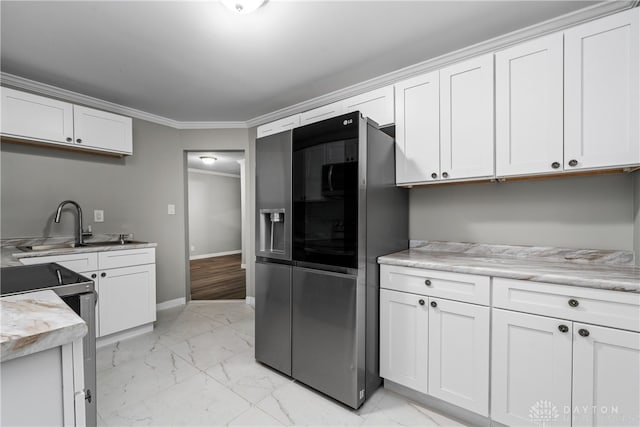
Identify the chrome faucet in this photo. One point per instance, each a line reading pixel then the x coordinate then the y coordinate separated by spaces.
pixel 79 237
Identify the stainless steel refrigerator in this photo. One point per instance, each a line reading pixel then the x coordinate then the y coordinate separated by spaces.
pixel 317 278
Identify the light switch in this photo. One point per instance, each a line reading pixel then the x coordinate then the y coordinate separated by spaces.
pixel 171 209
pixel 98 215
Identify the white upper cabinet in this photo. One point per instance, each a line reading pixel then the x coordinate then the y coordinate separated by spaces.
pixel 602 92
pixel 466 119
pixel 321 113
pixel 376 105
pixel 418 129
pixel 529 105
pixel 278 126
pixel 34 117
pixel 100 130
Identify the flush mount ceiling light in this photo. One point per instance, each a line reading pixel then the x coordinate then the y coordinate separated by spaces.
pixel 242 6
pixel 208 160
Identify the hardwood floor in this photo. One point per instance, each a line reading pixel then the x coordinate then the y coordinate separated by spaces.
pixel 217 278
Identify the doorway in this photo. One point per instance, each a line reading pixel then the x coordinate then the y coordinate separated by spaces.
pixel 215 205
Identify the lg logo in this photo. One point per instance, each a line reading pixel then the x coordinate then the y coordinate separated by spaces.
pixel 347 122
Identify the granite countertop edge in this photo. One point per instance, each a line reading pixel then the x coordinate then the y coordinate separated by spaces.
pixel 624 278
pixel 36 321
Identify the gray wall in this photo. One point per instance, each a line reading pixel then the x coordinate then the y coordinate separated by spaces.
pixel 578 212
pixel 134 192
pixel 214 213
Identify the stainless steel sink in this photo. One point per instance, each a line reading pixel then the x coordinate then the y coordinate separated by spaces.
pixel 36 248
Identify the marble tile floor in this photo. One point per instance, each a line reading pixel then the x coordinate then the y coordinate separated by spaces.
pixel 197 368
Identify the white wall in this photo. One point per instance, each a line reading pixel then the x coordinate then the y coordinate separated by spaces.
pixel 214 213
pixel 579 212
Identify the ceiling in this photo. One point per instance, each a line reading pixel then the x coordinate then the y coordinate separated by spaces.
pixel 196 61
pixel 227 161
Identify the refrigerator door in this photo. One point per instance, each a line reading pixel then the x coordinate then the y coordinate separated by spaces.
pixel 273 196
pixel 273 316
pixel 328 335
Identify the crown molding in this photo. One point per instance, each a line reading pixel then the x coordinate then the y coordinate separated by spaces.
pixel 553 25
pixel 77 98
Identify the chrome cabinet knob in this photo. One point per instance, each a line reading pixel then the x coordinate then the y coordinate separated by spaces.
pixel 421 302
pixel 563 328
pixel 445 175
pixel 555 165
pixel 69 139
pixel 94 275
pixel 434 175
pixel 103 274
pixel 573 302
pixel 427 282
pixel 434 304
pixel 573 162
pixel 583 332
pixel 79 141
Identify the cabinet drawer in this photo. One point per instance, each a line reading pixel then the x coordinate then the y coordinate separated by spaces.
pixel 442 284
pixel 602 307
pixel 80 263
pixel 126 258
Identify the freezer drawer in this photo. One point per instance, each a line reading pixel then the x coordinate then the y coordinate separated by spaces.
pixel 328 334
pixel 273 316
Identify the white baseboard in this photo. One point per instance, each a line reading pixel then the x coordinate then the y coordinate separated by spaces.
pixel 171 303
pixel 251 301
pixel 216 254
pixel 119 336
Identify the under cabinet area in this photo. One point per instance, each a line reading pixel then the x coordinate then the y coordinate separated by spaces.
pixel 125 281
pixel 434 345
pixel 37 119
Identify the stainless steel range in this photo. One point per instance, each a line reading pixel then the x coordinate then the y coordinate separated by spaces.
pixel 78 293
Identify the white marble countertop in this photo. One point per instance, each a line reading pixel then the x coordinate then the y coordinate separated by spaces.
pixel 611 270
pixel 36 321
pixel 10 255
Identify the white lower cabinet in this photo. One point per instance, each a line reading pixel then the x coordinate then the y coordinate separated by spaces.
pixel 433 345
pixel 404 332
pixel 531 369
pixel 606 376
pixel 459 354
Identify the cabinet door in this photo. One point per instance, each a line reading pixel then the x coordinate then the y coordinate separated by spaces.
pixel 326 111
pixel 530 369
pixel 606 376
pixel 127 298
pixel 602 92
pixel 418 129
pixel 376 105
pixel 529 125
pixel 403 339
pixel 459 354
pixel 81 262
pixel 466 119
pixel 101 130
pixel 35 117
pixel 278 126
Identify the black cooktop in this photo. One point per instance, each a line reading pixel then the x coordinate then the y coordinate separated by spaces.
pixel 26 278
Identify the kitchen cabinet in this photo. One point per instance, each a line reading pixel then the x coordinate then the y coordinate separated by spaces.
pixel 125 281
pixel 404 339
pixel 376 104
pixel 25 115
pixel 466 119
pixel 529 107
pixel 444 123
pixel 531 367
pixel 602 92
pixel 606 376
pixel 317 114
pixel 434 345
pixel 417 103
pixel 44 388
pixel 39 119
pixel 459 354
pixel 278 126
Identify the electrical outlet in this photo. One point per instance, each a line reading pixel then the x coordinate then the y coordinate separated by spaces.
pixel 171 209
pixel 98 215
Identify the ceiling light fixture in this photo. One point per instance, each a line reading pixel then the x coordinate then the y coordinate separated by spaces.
pixel 208 160
pixel 243 6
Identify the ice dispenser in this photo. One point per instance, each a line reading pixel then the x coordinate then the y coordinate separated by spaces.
pixel 272 230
